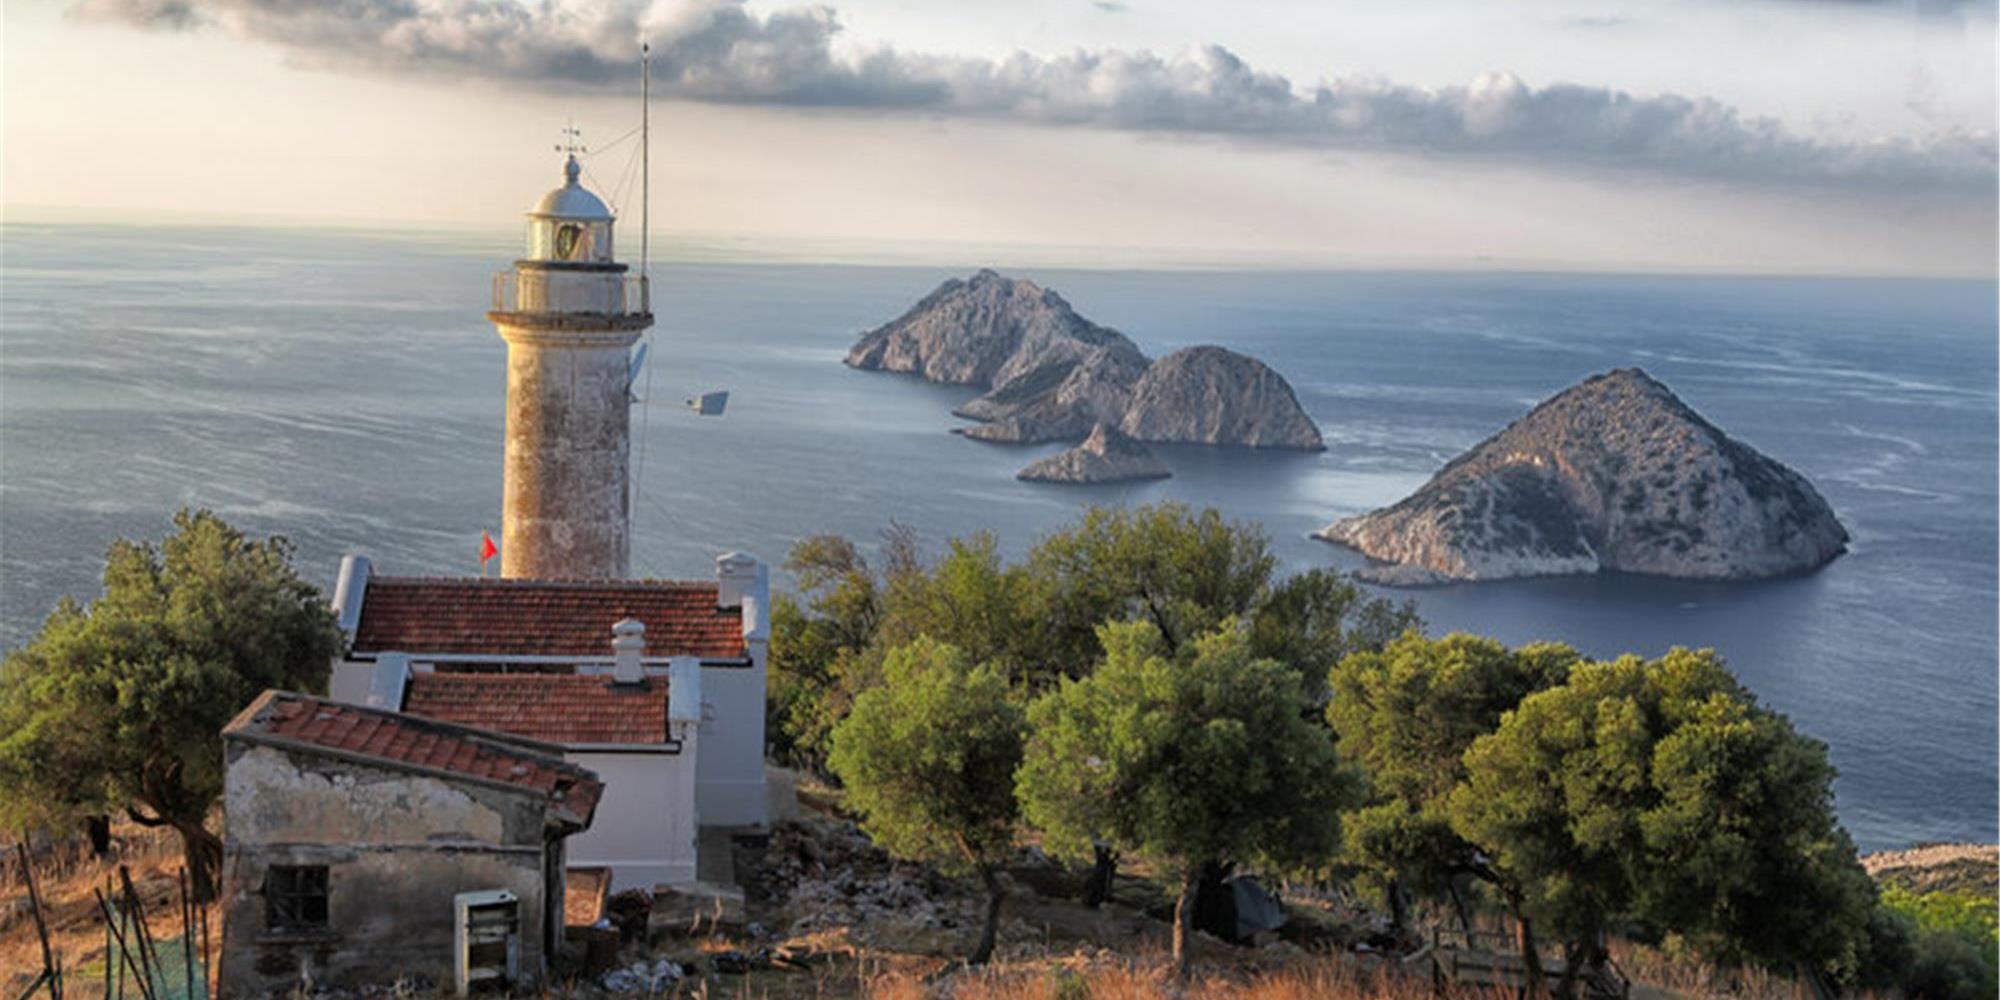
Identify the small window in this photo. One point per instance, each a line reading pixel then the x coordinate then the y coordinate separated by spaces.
pixel 570 244
pixel 295 898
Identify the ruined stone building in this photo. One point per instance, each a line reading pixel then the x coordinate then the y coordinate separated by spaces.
pixel 349 832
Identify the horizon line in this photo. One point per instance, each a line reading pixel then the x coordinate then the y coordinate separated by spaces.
pixel 715 247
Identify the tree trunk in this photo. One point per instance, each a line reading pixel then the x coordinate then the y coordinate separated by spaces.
pixel 1810 974
pixel 1399 909
pixel 202 851
pixel 1574 956
pixel 1103 870
pixel 1184 922
pixel 995 891
pixel 1531 959
pixel 1214 903
pixel 98 829
pixel 1458 904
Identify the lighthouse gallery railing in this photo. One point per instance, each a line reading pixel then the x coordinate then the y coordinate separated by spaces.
pixel 551 291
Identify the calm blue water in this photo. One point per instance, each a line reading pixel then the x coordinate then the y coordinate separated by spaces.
pixel 346 391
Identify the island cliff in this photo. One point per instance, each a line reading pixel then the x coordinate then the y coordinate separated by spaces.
pixel 1208 395
pixel 1052 375
pixel 1107 456
pixel 986 331
pixel 1615 473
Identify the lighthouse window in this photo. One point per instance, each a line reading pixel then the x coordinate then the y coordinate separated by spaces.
pixel 569 242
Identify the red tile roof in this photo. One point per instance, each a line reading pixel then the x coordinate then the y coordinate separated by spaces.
pixel 397 738
pixel 543 617
pixel 552 708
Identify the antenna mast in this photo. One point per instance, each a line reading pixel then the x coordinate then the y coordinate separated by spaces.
pixel 645 159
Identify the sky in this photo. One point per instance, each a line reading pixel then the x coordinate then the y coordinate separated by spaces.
pixel 1791 136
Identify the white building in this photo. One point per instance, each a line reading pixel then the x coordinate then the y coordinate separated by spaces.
pixel 656 686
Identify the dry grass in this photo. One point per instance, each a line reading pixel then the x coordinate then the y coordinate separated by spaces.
pixel 65 876
pixel 1052 949
pixel 1150 977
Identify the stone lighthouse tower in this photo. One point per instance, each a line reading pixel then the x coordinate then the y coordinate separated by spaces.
pixel 570 315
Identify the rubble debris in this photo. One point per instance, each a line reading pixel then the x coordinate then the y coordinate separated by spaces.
pixel 642 978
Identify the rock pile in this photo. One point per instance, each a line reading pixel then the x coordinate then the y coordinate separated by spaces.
pixel 827 874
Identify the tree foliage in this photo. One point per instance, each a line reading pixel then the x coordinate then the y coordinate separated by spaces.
pixel 119 705
pixel 1035 621
pixel 1192 756
pixel 1661 792
pixel 1182 571
pixel 973 600
pixel 1936 945
pixel 1406 715
pixel 1317 618
pixel 928 760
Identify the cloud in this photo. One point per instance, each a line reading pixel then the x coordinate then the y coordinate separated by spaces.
pixel 715 50
pixel 1594 23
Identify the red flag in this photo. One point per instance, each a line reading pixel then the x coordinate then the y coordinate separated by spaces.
pixel 487 549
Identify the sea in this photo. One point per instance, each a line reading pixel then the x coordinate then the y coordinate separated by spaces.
pixel 344 389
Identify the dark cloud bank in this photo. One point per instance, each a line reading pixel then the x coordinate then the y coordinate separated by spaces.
pixel 714 50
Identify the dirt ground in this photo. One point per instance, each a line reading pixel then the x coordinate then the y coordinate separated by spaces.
pixel 65 880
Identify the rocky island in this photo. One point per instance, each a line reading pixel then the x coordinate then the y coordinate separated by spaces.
pixel 1106 456
pixel 1052 375
pixel 1614 473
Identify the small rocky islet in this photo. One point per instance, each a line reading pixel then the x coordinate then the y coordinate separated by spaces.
pixel 1052 375
pixel 1614 474
pixel 1106 456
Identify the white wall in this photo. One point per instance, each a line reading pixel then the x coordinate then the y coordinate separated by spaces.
pixel 647 823
pixel 350 682
pixel 732 745
pixel 732 791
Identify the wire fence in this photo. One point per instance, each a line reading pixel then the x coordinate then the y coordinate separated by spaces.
pixel 136 962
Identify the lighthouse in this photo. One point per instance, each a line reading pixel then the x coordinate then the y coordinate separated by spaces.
pixel 570 314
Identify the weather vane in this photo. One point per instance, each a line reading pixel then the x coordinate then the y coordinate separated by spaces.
pixel 572 140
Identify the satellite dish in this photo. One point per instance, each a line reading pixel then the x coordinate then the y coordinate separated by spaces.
pixel 709 404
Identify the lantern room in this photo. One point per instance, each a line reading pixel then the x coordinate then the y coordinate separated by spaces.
pixel 570 225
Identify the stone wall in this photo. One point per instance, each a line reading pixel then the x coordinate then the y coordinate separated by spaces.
pixel 565 511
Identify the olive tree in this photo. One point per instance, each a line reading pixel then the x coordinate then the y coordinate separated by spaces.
pixel 1661 792
pixel 1314 619
pixel 1406 715
pixel 1182 571
pixel 1196 757
pixel 120 704
pixel 928 759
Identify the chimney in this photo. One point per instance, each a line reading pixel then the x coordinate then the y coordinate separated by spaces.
pixel 735 574
pixel 349 590
pixel 386 684
pixel 628 647
pixel 684 689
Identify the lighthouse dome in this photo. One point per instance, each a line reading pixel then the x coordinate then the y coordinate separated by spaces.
pixel 570 225
pixel 572 200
